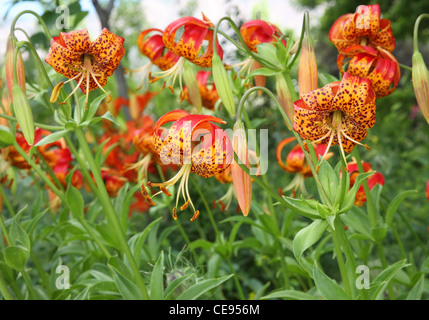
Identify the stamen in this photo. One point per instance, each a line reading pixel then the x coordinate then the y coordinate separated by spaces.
pixel 195 216
pixel 109 98
pixel 347 137
pixel 165 191
pixel 341 148
pixel 74 90
pixel 185 206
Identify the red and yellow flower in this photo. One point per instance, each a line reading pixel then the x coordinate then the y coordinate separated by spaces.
pixel 255 32
pixel 376 178
pixel 208 92
pixel 195 144
pixel 88 62
pixel 188 46
pixel 152 46
pixel 364 28
pixel 339 113
pixel 381 67
pixel 296 163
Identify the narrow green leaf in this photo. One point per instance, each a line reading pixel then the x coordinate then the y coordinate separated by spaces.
pixel 157 279
pixel 127 289
pixel 75 202
pixel 395 203
pixel 308 236
pixel 416 292
pixel 18 236
pixel 289 294
pixel 84 294
pixel 175 284
pixel 202 287
pixel 328 287
pixel 382 280
pixel 6 137
pixel 51 138
pixel 93 107
pixel 137 241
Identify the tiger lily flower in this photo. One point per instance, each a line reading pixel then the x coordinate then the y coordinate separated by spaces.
pixel 379 66
pixel 62 169
pixel 88 62
pixel 151 45
pixel 255 32
pixel 339 113
pixel 208 92
pixel 296 163
pixel 14 157
pixel 112 180
pixel 376 178
pixel 194 144
pixel 362 28
pixel 187 47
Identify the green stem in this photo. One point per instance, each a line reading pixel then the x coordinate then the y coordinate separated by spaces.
pixel 4 290
pixel 41 174
pixel 256 57
pixel 109 211
pixel 43 275
pixel 416 31
pixel 30 289
pixel 37 124
pixel 372 213
pixel 45 28
pixel 82 166
pixel 340 261
pixel 236 280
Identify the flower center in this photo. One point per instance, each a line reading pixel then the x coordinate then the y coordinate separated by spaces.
pixel 84 75
pixel 336 130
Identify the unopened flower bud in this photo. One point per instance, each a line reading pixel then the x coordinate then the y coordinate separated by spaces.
pixel 223 86
pixel 420 77
pixel 240 179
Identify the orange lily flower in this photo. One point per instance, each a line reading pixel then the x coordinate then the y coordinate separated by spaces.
pixel 381 67
pixel 88 62
pixel 339 113
pixel 112 180
pixel 297 163
pixel 14 157
pixel 62 169
pixel 151 45
pixel 193 143
pixel 255 32
pixel 376 178
pixel 362 28
pixel 208 92
pixel 188 46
